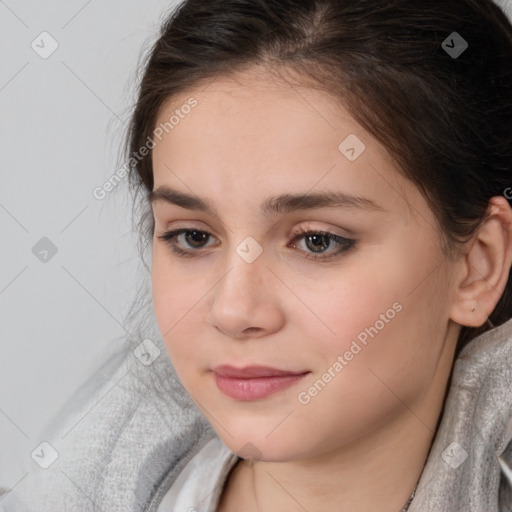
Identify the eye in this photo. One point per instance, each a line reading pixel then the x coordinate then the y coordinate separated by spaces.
pixel 195 240
pixel 314 239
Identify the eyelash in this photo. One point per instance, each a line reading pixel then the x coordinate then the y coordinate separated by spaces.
pixel 346 244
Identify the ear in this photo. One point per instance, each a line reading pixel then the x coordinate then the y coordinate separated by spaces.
pixel 485 267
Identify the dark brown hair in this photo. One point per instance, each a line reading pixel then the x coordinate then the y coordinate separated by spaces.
pixel 446 119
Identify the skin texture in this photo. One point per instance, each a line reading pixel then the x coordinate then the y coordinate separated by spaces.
pixel 361 442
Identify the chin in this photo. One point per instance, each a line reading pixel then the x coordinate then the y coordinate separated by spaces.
pixel 257 447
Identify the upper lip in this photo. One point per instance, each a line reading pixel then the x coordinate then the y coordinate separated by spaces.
pixel 254 371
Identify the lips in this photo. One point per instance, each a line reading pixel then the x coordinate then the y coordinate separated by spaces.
pixel 254 382
pixel 251 372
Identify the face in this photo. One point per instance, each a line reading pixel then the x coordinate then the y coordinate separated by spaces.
pixel 357 310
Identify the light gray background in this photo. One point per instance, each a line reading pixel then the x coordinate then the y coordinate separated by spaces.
pixel 60 133
pixel 61 127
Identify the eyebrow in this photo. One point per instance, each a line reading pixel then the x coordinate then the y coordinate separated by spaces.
pixel 284 203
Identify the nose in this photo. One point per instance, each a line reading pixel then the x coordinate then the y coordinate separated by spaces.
pixel 246 301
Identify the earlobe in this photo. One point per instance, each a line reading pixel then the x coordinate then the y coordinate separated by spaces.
pixel 485 267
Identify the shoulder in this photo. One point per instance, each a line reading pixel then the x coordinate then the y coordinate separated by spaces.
pixel 112 441
pixel 462 471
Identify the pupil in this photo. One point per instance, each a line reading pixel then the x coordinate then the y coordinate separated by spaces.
pixel 316 237
pixel 200 234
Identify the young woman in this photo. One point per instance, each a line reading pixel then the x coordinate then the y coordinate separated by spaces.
pixel 326 190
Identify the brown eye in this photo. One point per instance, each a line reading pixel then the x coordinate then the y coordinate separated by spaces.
pixel 318 241
pixel 194 238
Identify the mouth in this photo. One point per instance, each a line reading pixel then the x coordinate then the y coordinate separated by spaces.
pixel 254 382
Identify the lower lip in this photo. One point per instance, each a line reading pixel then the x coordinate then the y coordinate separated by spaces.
pixel 255 388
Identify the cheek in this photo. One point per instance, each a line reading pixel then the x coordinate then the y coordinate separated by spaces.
pixel 351 303
pixel 380 312
pixel 382 347
pixel 176 300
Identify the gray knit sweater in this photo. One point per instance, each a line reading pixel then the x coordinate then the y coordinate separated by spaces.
pixel 124 437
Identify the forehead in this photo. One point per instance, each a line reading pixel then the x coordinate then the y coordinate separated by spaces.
pixel 258 100
pixel 254 133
